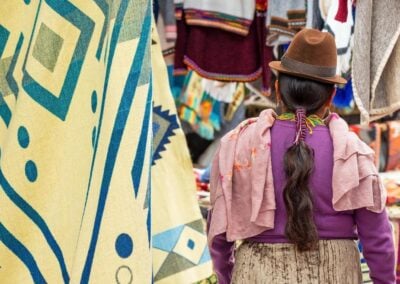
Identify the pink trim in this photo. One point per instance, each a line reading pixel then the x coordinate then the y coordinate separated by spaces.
pixel 221 77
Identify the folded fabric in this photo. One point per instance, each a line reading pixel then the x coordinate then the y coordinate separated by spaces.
pixel 219 55
pixel 339 22
pixel 233 16
pixel 284 20
pixel 376 59
pixel 243 162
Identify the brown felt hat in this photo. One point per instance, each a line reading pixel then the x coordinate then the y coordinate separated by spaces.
pixel 312 54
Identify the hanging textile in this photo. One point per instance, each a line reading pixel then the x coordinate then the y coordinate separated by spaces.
pixel 199 109
pixel 376 58
pixel 180 252
pixel 233 16
pixel 167 9
pixel 220 91
pixel 284 20
pixel 339 22
pixel 224 56
pixel 75 140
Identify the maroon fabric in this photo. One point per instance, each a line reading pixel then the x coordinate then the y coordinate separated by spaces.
pixel 180 45
pixel 341 15
pixel 224 56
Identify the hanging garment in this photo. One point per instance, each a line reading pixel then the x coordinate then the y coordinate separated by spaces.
pixel 219 55
pixel 376 58
pixel 75 140
pixel 220 91
pixel 167 9
pixel 284 20
pixel 344 96
pixel 339 22
pixel 180 252
pixel 234 15
pixel 199 109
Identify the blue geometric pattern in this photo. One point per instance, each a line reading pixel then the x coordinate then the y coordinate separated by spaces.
pixel 164 125
pixel 167 240
pixel 181 248
pixel 58 104
pixel 38 220
pixel 120 122
pixel 69 122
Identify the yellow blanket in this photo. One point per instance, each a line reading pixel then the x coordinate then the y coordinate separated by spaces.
pixel 180 253
pixel 75 141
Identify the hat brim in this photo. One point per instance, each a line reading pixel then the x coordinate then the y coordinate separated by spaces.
pixel 276 65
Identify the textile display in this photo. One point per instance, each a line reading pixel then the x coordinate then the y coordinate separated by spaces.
pixel 180 252
pixel 75 140
pixel 284 20
pixel 339 22
pixel 198 108
pixel 233 16
pixel 376 59
pixel 230 57
pixel 167 9
pixel 220 91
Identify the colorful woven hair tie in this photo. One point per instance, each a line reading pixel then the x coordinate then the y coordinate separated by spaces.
pixel 301 125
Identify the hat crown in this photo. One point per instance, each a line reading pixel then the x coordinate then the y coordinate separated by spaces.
pixel 313 47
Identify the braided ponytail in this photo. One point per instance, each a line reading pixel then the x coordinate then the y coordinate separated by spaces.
pixel 303 97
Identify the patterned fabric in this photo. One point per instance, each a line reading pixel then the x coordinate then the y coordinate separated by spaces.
pixel 199 109
pixel 180 252
pixel 233 16
pixel 311 121
pixel 342 30
pixel 75 140
pixel 284 20
pixel 335 261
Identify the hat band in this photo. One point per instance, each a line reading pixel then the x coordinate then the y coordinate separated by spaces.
pixel 308 69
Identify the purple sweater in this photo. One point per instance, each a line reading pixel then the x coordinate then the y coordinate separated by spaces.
pixel 372 229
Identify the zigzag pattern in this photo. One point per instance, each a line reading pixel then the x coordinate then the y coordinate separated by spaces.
pixel 164 125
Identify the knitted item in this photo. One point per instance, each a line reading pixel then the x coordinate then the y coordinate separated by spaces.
pixel 376 58
pixel 219 55
pixel 233 16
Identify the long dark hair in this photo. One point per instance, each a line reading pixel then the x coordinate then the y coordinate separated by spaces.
pixel 298 93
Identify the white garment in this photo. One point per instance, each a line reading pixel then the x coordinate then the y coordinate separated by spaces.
pixel 220 91
pixel 341 31
pixel 310 13
pixel 243 9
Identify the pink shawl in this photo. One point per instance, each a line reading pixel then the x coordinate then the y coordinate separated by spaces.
pixel 242 188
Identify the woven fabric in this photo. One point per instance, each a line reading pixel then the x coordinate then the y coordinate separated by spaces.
pixel 180 252
pixel 335 261
pixel 75 140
